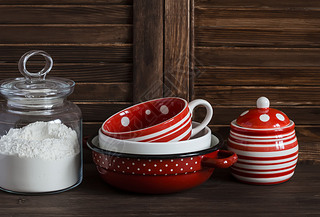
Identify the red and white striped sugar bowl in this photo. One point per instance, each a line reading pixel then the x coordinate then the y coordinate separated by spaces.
pixel 264 140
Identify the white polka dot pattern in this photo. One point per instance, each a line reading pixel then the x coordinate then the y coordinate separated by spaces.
pixel 280 117
pixel 148 166
pixel 164 109
pixel 125 121
pixel 264 118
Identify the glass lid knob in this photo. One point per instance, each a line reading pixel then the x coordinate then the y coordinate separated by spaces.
pixel 37 76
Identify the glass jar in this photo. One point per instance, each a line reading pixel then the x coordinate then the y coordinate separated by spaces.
pixel 40 132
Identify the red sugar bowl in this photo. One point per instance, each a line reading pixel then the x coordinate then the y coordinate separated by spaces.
pixel 264 140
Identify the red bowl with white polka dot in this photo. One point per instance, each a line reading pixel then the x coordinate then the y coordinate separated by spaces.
pixel 159 174
pixel 159 120
pixel 265 142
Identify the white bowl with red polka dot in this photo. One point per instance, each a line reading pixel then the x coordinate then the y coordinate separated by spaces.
pixel 266 144
pixel 159 120
pixel 160 174
pixel 200 141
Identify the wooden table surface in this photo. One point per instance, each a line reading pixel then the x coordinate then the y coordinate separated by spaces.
pixel 220 195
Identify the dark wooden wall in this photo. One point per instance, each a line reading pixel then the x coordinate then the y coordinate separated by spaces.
pixel 161 32
pixel 252 48
pixel 90 42
pixel 229 52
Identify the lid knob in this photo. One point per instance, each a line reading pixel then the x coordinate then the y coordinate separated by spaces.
pixel 263 102
pixel 34 77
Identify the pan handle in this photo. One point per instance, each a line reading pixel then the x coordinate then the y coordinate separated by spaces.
pixel 225 159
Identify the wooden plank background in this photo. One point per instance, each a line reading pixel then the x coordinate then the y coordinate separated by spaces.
pixel 176 48
pixel 247 49
pixel 90 42
pixel 236 51
pixel 148 50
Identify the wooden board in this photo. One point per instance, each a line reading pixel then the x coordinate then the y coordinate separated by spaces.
pixel 65 14
pixel 231 75
pixel 71 53
pixel 176 48
pixel 65 34
pixel 147 50
pixel 78 72
pixel 247 95
pixel 257 57
pixel 257 37
pixel 64 2
pixel 100 111
pixel 103 92
pixel 91 128
pixel 257 18
pixel 286 4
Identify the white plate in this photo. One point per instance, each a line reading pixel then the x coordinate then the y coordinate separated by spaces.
pixel 199 142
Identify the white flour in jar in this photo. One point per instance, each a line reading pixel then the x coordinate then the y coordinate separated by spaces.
pixel 40 157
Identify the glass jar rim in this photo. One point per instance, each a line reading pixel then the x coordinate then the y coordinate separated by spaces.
pixel 48 88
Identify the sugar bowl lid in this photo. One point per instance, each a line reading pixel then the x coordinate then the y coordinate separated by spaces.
pixel 263 117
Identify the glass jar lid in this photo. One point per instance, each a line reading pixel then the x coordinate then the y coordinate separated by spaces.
pixel 35 85
pixel 263 117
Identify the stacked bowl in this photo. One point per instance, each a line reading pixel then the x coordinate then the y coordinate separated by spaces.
pixel 265 142
pixel 154 147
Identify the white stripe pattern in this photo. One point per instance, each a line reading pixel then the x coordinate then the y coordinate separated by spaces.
pixel 267 161
pixel 265 154
pixel 264 140
pixel 264 180
pixel 264 172
pixel 175 131
pixel 264 137
pixel 182 135
pixel 260 170
pixel 265 167
pixel 141 138
pixel 278 144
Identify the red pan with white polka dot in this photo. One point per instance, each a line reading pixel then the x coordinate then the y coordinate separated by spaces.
pixel 160 174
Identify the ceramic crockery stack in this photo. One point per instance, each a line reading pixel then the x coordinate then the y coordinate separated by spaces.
pixel 265 142
pixel 154 147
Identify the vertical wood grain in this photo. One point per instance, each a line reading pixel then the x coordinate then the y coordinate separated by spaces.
pixel 147 49
pixel 193 70
pixel 252 48
pixel 176 48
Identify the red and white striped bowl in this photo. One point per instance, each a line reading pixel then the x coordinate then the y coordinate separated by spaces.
pixel 265 155
pixel 159 120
